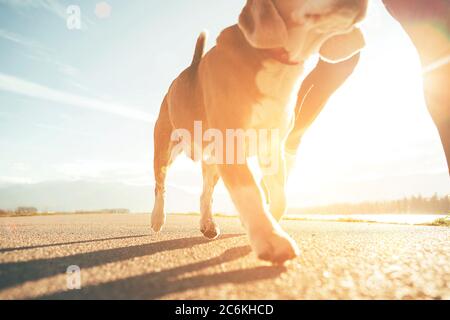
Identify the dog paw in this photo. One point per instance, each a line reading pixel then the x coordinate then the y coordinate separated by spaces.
pixel 276 247
pixel 209 229
pixel 158 221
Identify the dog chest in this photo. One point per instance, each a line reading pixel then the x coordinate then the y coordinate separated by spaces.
pixel 278 85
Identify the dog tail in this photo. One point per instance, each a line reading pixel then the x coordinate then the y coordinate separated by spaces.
pixel 200 48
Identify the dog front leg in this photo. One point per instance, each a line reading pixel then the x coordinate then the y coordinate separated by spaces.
pixel 267 238
pixel 274 182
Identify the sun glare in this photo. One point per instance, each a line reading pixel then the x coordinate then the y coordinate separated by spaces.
pixel 376 125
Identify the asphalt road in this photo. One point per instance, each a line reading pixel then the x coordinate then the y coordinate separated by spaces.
pixel 119 257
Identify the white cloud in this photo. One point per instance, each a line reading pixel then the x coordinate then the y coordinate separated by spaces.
pixel 100 170
pixel 51 6
pixel 13 37
pixel 15 180
pixel 20 166
pixel 39 52
pixel 65 130
pixel 30 89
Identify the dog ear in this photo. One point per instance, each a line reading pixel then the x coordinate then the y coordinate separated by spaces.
pixel 262 25
pixel 342 47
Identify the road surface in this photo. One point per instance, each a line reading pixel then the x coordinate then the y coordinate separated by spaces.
pixel 120 258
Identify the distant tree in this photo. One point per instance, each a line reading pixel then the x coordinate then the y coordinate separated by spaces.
pixel 414 204
pixel 26 210
pixel 116 211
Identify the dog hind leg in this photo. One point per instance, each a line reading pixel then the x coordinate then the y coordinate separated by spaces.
pixel 210 178
pixel 163 158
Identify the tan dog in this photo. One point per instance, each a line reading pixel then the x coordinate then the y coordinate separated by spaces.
pixel 249 80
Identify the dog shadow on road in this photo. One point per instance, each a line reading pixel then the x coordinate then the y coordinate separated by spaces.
pixel 152 285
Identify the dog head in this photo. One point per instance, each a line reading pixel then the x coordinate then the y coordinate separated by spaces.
pixel 304 27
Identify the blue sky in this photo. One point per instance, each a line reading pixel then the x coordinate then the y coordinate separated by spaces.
pixel 107 79
pixel 80 104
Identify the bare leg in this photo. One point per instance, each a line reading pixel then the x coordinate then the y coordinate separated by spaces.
pixel 428 26
pixel 207 224
pixel 162 160
pixel 267 238
pixel 438 103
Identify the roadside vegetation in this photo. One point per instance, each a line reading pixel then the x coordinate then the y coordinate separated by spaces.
pixel 32 211
pixel 442 222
